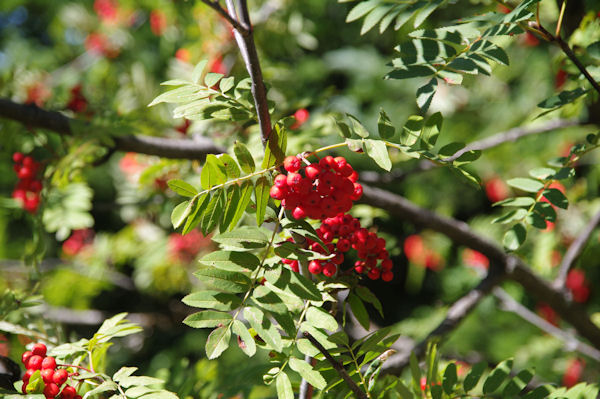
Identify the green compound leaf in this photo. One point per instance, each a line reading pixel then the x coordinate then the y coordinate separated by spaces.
pixel 526 184
pixel 207 319
pixel 359 310
pixel 514 237
pixel 284 386
pixel 474 375
pixel 244 237
pixel 377 150
pixel 223 280
pixel 264 328
pixel 245 341
pixel 217 342
pixel 384 126
pixel 306 371
pixel 231 261
pixel 207 299
pixel 450 378
pixel 261 192
pixel 182 188
pixel 497 376
pixel 517 383
pixel 320 318
pixel 244 157
pixel 358 127
pixel 213 172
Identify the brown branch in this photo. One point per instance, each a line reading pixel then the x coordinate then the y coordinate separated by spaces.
pixel 457 312
pixel 338 367
pixel 575 250
pixel 249 54
pixel 239 26
pixel 509 304
pixel 35 117
pixel 500 261
pixel 564 46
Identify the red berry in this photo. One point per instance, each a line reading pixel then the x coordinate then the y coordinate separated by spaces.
pixel 39 349
pixel 77 397
pixel 281 181
pixel 18 157
pixel 295 266
pixel 292 163
pixel 68 392
pixel 329 269
pixel 49 363
pixel 35 362
pixel 277 193
pixel 314 266
pixel 358 190
pixel 374 274
pixel 27 354
pixel 24 388
pixel 31 204
pixel 51 390
pixel 60 376
pixel 25 173
pixel 35 186
pixel 387 265
pixel 29 162
pixel 343 245
pixel 294 179
pixel 359 267
pixel 47 375
pixel 312 171
pixel 28 375
pixel 299 213
pixel 387 276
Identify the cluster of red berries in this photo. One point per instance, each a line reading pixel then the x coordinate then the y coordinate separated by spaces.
pixel 77 103
pixel 28 189
pixel 318 190
pixel 53 378
pixel 325 191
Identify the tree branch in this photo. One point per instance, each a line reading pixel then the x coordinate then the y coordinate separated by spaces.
pixel 338 367
pixel 515 268
pixel 564 46
pixel 572 343
pixel 575 250
pixel 214 4
pixel 483 144
pixel 457 312
pixel 35 117
pixel 250 56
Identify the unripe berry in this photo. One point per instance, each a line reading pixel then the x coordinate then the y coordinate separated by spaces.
pixel 39 349
pixel 314 266
pixel 292 163
pixel 68 392
pixel 60 376
pixel 25 357
pixel 35 362
pixel 49 363
pixel 47 375
pixel 51 390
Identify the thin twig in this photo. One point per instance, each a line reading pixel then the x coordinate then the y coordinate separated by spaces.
pixel 515 268
pixel 575 250
pixel 249 54
pixel 457 312
pixel 511 135
pixel 35 117
pixel 569 53
pixel 239 26
pixel 338 367
pixel 572 343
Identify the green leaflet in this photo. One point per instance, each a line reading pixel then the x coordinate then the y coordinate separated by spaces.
pixel 217 342
pixel 223 280
pixel 245 342
pixel 207 319
pixel 207 299
pixel 263 326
